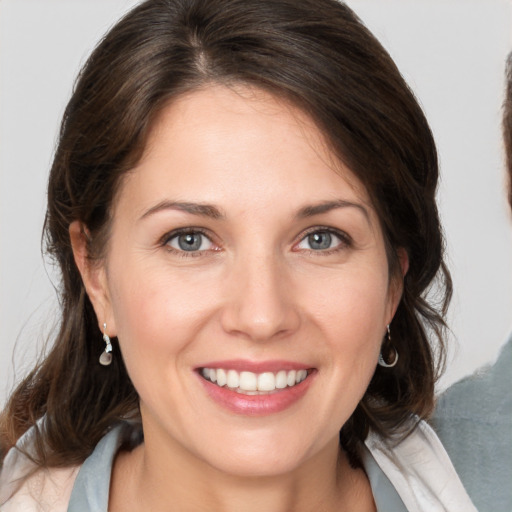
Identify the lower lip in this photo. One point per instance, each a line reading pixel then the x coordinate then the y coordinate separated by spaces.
pixel 257 405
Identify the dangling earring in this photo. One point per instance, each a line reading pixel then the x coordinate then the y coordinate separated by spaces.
pixel 382 362
pixel 106 355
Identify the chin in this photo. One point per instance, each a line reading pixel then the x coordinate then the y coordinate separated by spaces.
pixel 257 458
pixel 257 465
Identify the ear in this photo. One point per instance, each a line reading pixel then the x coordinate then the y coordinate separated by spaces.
pixel 403 259
pixel 397 282
pixel 94 277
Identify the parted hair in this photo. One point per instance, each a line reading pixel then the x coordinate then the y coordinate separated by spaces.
pixel 320 57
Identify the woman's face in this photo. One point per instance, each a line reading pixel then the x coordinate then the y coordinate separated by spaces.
pixel 242 252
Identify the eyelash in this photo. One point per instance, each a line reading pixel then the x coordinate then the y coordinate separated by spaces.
pixel 345 241
pixel 166 239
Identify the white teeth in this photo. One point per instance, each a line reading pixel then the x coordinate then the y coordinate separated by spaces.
pixel 248 381
pixel 251 383
pixel 221 377
pixel 266 382
pixel 281 380
pixel 301 375
pixel 233 379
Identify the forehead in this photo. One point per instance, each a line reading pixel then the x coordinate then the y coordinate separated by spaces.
pixel 242 139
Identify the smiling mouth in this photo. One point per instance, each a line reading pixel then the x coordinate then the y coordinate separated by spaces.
pixel 249 383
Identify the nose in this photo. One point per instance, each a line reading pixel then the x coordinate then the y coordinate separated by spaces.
pixel 259 301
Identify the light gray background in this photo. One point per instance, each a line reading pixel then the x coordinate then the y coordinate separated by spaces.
pixel 452 52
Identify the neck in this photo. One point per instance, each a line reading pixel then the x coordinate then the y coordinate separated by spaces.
pixel 156 474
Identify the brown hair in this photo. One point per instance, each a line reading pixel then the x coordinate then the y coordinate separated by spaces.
pixel 318 55
pixel 507 125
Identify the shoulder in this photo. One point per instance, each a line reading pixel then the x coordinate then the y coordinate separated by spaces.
pixel 43 491
pixel 421 471
pixel 483 397
pixel 476 412
pixel 25 486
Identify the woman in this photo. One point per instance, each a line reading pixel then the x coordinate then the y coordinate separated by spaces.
pixel 242 204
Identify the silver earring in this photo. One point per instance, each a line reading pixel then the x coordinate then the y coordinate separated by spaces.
pixel 382 362
pixel 106 355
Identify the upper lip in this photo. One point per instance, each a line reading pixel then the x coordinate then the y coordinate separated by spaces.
pixel 241 365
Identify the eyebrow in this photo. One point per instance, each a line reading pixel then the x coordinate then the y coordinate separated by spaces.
pixel 212 212
pixel 203 210
pixel 326 206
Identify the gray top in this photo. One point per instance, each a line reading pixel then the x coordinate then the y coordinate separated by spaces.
pixel 473 419
pixel 91 488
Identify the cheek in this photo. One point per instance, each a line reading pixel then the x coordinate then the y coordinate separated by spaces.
pixel 352 314
pixel 353 306
pixel 157 314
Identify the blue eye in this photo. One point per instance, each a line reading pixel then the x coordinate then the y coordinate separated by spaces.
pixel 191 241
pixel 321 240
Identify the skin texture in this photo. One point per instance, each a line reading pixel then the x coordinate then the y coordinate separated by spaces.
pixel 257 290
